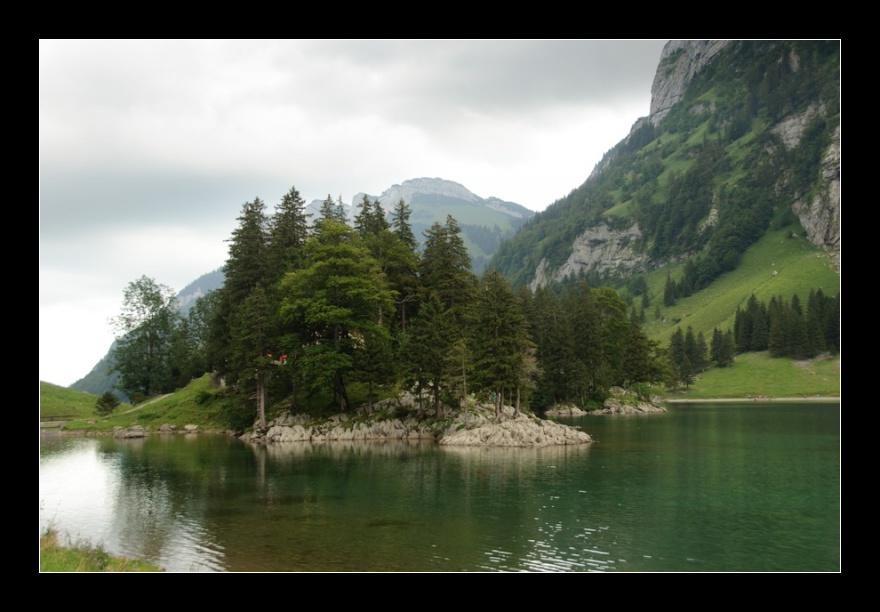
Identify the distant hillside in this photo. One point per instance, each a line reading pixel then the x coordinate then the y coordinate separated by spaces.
pixel 743 141
pixel 485 223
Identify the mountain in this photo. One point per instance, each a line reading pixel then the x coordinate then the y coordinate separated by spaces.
pixel 485 223
pixel 743 138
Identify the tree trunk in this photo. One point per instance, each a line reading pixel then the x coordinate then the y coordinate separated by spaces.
pixel 340 391
pixel 261 401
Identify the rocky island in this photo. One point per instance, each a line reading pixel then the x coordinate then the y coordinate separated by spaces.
pixel 620 401
pixel 403 418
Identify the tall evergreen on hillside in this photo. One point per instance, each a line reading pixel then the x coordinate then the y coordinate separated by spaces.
pixel 246 267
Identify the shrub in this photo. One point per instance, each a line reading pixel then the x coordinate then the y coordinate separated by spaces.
pixel 106 404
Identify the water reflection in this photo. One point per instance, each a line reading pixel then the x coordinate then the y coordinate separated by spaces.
pixel 698 490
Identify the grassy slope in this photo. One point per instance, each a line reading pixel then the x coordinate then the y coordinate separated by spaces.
pixel 758 374
pixel 62 402
pixel 799 266
pixel 197 403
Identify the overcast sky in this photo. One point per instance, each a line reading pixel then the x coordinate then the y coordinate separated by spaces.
pixel 148 149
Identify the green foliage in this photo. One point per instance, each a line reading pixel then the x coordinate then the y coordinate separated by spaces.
pixel 106 404
pixel 147 325
pixel 336 301
pixel 500 337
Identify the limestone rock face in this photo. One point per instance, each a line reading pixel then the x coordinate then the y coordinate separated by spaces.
pixel 820 215
pixel 598 248
pixel 680 61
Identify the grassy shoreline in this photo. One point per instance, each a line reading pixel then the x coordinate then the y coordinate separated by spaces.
pixel 84 557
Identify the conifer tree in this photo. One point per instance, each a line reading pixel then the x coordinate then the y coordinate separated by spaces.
pixel 555 349
pixel 289 230
pixel 246 267
pixel 669 292
pixel 252 350
pixel 401 225
pixel 501 338
pixel 337 296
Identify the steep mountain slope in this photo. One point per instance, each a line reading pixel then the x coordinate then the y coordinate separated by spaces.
pixel 743 138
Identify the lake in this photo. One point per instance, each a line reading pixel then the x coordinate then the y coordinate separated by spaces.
pixel 704 487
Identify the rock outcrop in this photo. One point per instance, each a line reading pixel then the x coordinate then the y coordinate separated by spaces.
pixel 820 214
pixel 518 430
pixel 135 431
pixel 601 249
pixel 621 401
pixel 680 61
pixel 403 419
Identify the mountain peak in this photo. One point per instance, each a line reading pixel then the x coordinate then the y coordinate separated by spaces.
pixel 427 186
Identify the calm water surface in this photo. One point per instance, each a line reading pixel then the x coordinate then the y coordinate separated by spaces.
pixel 708 487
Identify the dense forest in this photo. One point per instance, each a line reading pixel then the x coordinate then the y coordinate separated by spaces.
pixel 310 309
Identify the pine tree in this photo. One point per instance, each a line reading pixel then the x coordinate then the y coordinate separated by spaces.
pixel 333 211
pixel 289 230
pixel 501 338
pixel 246 267
pixel 669 292
pixel 428 343
pixel 247 264
pixel 401 225
pixel 445 269
pixel 555 348
pixel 252 351
pixel 638 358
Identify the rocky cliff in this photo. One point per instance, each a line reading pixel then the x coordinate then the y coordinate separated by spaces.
pixel 740 96
pixel 680 61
